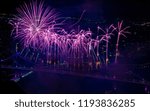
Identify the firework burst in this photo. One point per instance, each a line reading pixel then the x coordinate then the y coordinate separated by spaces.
pixel 34 23
pixel 107 33
pixel 37 27
pixel 121 32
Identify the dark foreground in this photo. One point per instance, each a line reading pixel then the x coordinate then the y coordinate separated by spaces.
pixel 46 83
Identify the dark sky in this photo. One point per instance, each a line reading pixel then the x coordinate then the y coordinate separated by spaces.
pixel 94 8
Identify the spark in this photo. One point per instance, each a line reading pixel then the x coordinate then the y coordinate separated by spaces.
pixel 33 22
pixel 37 27
pixel 121 32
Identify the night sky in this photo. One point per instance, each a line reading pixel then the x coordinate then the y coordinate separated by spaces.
pixel 135 50
pixel 97 8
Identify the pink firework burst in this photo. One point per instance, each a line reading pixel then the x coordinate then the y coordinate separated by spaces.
pixel 121 32
pixel 108 32
pixel 34 25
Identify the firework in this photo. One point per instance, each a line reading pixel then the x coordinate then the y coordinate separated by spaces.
pixel 34 23
pixel 38 28
pixel 107 33
pixel 121 32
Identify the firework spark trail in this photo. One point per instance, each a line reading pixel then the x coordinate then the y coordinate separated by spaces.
pixel 76 45
pixel 108 32
pixel 79 19
pixel 121 32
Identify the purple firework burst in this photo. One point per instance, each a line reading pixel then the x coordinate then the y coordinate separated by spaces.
pixel 34 23
pixel 37 27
